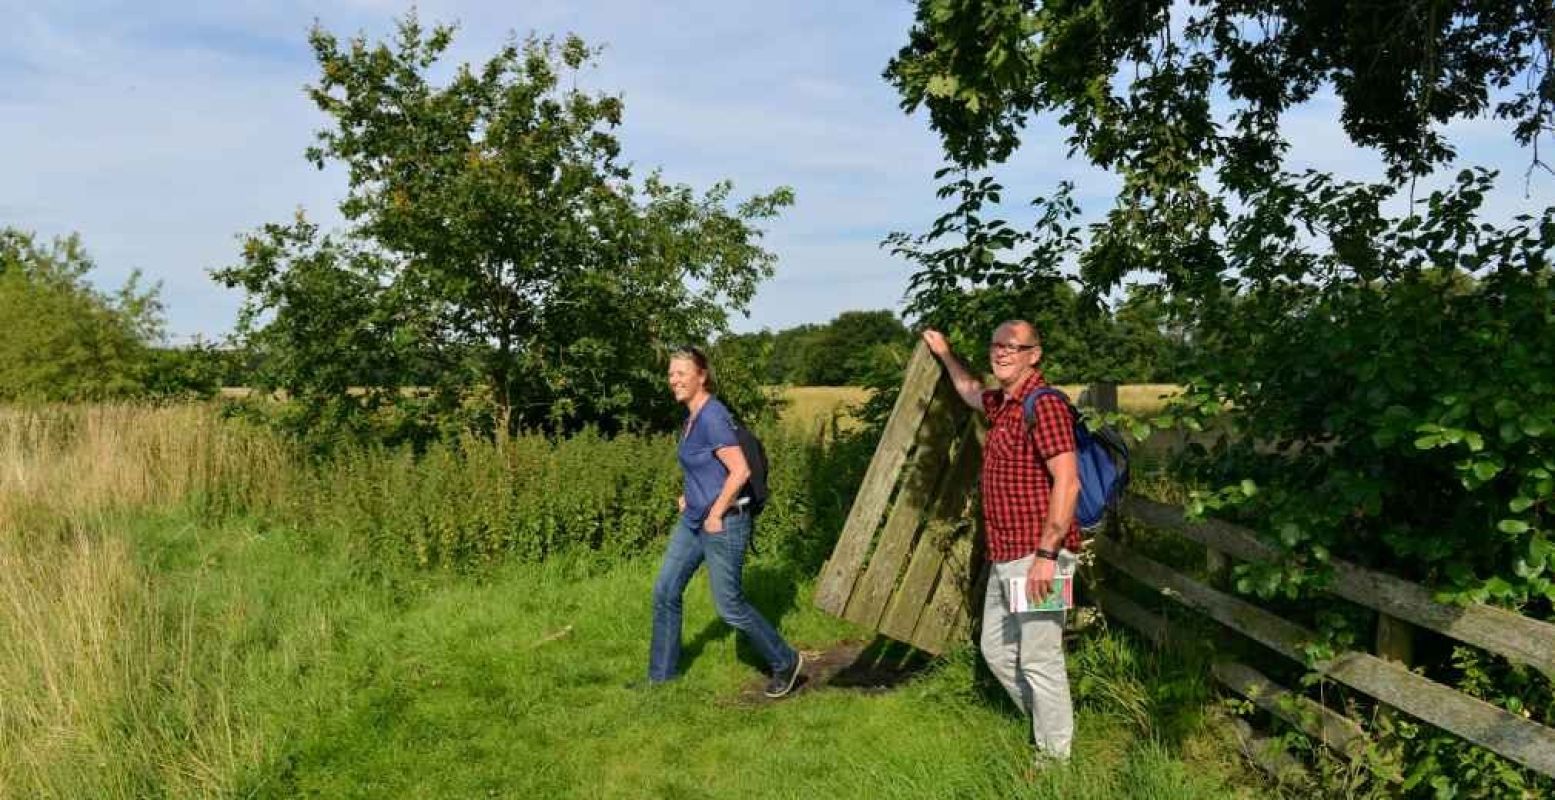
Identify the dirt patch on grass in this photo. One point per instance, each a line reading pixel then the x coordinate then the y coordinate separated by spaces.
pixel 863 666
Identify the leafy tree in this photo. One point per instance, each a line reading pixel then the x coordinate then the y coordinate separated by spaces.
pixel 794 352
pixel 197 370
pixel 847 346
pixel 975 271
pixel 65 340
pixel 1139 91
pixel 841 352
pixel 495 242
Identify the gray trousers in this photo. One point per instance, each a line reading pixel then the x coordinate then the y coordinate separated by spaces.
pixel 1026 653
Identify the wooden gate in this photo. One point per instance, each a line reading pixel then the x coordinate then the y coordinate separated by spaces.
pixel 912 574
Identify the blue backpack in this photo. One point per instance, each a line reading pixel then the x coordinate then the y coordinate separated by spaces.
pixel 1103 461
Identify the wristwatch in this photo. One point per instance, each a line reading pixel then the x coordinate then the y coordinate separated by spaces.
pixel 1047 554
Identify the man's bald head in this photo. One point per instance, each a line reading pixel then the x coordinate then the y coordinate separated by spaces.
pixel 1019 330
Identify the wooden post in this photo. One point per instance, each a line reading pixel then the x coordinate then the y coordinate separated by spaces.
pixel 1216 565
pixel 1104 397
pixel 1395 639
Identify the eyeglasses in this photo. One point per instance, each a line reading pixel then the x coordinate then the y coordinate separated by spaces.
pixel 1010 347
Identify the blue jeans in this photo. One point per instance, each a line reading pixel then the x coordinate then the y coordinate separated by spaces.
pixel 725 556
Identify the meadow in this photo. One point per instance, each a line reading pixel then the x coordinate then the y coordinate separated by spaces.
pixel 807 406
pixel 192 607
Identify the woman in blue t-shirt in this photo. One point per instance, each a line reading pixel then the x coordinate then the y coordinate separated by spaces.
pixel 715 526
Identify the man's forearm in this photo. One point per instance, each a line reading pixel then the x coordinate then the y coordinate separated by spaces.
pixel 1064 496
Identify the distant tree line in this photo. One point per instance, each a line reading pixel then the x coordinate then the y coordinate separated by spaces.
pixel 842 352
pixel 1136 342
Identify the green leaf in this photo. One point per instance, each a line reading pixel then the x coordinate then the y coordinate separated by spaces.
pixel 1512 526
pixel 1429 442
pixel 1520 504
pixel 1249 488
pixel 1540 549
pixel 942 86
pixel 1485 470
pixel 1498 587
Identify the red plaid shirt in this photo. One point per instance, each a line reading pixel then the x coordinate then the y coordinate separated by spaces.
pixel 1016 483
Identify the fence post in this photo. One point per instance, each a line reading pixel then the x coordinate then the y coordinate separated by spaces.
pixel 1216 565
pixel 1395 642
pixel 1104 397
pixel 1395 639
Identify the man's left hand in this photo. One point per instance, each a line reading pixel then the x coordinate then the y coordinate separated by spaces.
pixel 713 524
pixel 1039 581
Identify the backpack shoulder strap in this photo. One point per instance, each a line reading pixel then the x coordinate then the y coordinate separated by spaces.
pixel 1029 405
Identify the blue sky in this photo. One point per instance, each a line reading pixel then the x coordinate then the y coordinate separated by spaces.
pixel 160 131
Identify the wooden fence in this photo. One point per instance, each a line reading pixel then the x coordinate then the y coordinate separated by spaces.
pixel 912 578
pixel 918 576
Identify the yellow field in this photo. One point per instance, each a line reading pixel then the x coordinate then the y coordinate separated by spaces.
pixel 809 406
pixel 1139 399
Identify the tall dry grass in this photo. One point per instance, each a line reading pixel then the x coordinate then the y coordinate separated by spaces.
pixel 78 461
pixel 88 655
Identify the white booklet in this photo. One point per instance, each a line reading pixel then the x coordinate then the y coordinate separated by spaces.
pixel 1061 598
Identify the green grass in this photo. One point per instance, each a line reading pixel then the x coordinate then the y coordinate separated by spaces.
pixel 189 610
pixel 312 678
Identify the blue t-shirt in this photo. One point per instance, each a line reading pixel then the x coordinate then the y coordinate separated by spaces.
pixel 711 429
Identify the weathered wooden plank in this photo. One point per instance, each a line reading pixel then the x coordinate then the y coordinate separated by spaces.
pixel 1212 533
pixel 1147 623
pixel 1321 723
pixel 1270 755
pixel 1521 740
pixel 1329 727
pixel 923 478
pixel 947 519
pixel 1286 638
pixel 946 616
pixel 969 601
pixel 841 571
pixel 1518 638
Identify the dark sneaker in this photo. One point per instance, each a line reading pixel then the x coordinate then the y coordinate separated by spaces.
pixel 784 679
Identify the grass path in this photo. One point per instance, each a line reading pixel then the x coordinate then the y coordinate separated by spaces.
pixel 511 684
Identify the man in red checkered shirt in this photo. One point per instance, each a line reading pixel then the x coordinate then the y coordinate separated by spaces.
pixel 1030 485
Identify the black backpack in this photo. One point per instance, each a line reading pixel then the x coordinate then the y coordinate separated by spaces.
pixel 755 490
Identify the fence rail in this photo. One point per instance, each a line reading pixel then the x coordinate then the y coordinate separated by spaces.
pixel 1521 740
pixel 1518 638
